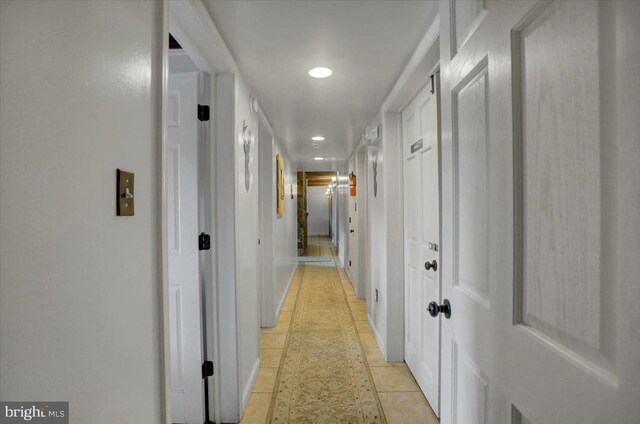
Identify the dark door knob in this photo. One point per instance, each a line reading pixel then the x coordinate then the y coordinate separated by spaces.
pixel 435 309
pixel 351 231
pixel 431 265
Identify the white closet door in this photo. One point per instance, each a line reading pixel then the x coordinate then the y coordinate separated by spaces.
pixel 541 236
pixel 422 239
pixel 185 316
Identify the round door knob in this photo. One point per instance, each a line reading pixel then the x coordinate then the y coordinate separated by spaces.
pixel 434 309
pixel 431 265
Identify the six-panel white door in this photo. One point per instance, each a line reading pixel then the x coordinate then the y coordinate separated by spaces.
pixel 422 239
pixel 540 170
pixel 185 318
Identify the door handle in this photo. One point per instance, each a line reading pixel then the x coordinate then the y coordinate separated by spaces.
pixel 431 265
pixel 434 309
pixel 351 231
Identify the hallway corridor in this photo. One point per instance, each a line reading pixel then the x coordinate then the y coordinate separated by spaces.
pixel 462 177
pixel 321 363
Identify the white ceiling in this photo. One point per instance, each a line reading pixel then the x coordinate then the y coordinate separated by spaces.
pixel 365 43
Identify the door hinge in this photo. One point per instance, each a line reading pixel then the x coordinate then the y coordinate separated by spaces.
pixel 349 263
pixel 203 112
pixel 433 84
pixel 376 295
pixel 207 369
pixel 204 241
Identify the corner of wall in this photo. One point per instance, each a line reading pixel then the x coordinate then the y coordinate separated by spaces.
pixel 284 294
pixel 379 338
pixel 246 392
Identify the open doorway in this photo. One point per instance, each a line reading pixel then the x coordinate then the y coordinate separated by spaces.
pixel 187 129
pixel 317 214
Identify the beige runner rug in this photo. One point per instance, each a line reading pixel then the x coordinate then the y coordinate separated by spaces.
pixel 323 375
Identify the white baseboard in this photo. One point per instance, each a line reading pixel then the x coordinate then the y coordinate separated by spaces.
pixel 284 294
pixel 378 337
pixel 355 286
pixel 249 387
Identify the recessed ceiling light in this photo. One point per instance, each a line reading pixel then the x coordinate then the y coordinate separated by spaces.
pixel 320 72
pixel 318 158
pixel 317 138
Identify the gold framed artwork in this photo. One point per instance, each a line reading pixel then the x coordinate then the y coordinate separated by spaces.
pixel 280 185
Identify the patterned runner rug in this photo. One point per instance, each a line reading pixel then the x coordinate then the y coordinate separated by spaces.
pixel 314 259
pixel 323 376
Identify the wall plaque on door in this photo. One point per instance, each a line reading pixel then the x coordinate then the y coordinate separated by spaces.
pixel 417 146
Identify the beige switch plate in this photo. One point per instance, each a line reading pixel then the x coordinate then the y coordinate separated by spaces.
pixel 125 193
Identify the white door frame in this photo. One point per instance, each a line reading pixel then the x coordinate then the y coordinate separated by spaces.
pixel 351 268
pixel 362 291
pixel 415 75
pixel 268 312
pixel 190 24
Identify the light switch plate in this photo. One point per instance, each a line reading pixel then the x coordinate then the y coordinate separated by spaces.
pixel 125 192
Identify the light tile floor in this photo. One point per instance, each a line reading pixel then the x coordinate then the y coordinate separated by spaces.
pixel 401 398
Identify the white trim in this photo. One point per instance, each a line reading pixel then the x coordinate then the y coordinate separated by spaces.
pixel 394 237
pixel 226 250
pixel 266 217
pixel 246 393
pixel 355 289
pixel 376 334
pixel 286 291
pixel 213 54
pixel 190 23
pixel 165 349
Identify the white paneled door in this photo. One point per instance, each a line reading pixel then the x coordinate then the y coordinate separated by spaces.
pixel 353 233
pixel 187 396
pixel 422 240
pixel 541 242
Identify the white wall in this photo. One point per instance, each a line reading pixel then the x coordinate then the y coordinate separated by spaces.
pixel 376 248
pixel 79 286
pixel 279 231
pixel 383 230
pixel 318 209
pixel 285 230
pixel 384 217
pixel 247 247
